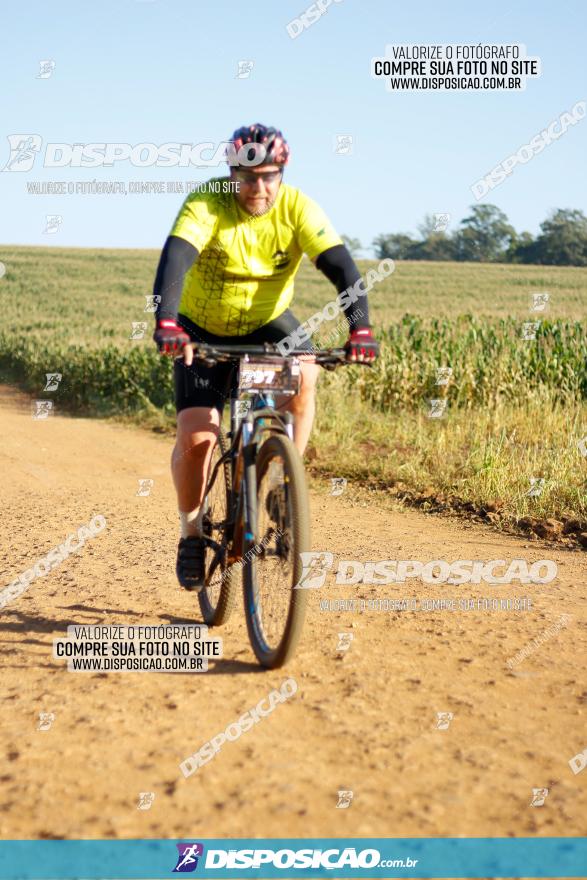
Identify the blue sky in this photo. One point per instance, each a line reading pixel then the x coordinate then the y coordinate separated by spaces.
pixel 164 71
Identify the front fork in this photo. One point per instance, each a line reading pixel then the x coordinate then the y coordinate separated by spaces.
pixel 246 479
pixel 249 484
pixel 246 515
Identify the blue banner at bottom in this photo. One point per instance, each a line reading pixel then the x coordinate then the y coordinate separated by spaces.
pixel 288 858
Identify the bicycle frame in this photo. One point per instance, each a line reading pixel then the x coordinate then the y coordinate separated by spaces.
pixel 245 437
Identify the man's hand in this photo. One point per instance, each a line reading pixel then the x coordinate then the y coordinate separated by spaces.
pixel 170 337
pixel 362 346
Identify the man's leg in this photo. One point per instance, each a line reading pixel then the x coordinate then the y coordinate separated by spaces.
pixel 197 430
pixel 200 394
pixel 303 405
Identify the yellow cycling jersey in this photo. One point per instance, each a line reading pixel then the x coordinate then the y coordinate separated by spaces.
pixel 244 276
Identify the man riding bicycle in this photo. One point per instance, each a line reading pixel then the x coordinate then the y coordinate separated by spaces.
pixel 226 276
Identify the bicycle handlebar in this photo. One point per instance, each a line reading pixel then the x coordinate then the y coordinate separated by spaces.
pixel 268 351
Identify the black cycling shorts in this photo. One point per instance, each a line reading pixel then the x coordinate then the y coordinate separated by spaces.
pixel 201 385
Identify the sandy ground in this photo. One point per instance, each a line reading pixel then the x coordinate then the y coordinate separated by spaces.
pixel 365 720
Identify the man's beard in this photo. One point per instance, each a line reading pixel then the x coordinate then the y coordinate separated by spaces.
pixel 258 212
pixel 265 210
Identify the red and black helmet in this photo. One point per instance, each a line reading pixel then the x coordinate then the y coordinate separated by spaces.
pixel 277 150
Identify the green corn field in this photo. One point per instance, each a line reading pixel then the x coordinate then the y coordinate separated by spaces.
pixel 512 382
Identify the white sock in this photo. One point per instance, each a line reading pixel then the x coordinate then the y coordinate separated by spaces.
pixel 191 522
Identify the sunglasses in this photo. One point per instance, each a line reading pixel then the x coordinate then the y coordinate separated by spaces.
pixel 249 177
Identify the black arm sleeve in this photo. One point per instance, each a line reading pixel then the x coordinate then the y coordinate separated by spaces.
pixel 177 257
pixel 339 267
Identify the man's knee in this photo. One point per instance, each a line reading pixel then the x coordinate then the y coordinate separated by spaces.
pixel 310 373
pixel 303 401
pixel 197 430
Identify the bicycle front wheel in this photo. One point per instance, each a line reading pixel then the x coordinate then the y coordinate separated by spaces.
pixel 272 565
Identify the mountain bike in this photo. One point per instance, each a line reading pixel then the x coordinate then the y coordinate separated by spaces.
pixel 257 519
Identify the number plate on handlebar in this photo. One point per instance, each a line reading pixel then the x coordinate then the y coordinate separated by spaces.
pixel 265 376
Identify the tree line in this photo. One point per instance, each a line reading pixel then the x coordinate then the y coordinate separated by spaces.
pixel 486 236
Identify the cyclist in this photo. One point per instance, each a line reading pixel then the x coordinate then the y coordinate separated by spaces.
pixel 226 275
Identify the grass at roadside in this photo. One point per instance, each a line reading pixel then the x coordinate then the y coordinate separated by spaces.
pixel 484 461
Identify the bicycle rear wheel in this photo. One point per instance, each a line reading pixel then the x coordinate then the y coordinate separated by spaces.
pixel 272 564
pixel 217 598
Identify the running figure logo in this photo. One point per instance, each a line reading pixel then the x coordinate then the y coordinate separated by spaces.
pixel 46 69
pixel 53 224
pixel 46 719
pixel 23 150
pixel 242 407
pixel 540 302
pixel 443 720
pixel 345 799
pixel 244 69
pixel 441 222
pixel 338 485
pixel 536 487
pixel 53 380
pixel 42 409
pixel 539 795
pixel 443 375
pixel 437 408
pixel 344 641
pixel 315 567
pixel 146 799
pixel 529 329
pixel 139 328
pixel 153 300
pixel 187 860
pixel 343 144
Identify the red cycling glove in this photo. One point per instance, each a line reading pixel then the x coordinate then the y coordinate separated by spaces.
pixel 362 345
pixel 170 337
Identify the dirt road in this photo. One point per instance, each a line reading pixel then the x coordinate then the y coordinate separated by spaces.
pixel 364 721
